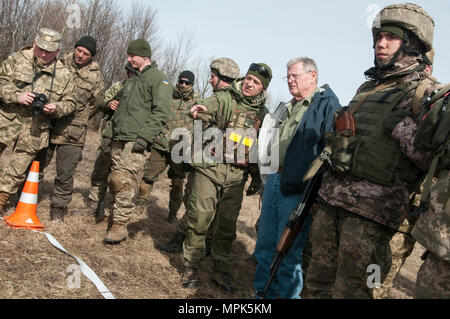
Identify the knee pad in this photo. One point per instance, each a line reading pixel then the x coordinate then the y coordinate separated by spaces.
pixel 116 181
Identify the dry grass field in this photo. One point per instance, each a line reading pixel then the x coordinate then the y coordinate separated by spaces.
pixel 30 267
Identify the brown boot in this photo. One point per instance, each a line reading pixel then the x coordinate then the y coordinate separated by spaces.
pixel 144 193
pixel 58 213
pixel 3 200
pixel 117 233
pixel 189 278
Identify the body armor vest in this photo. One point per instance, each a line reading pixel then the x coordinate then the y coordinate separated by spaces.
pixel 376 157
pixel 241 136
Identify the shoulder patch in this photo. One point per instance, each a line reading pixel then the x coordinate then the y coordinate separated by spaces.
pixel 165 82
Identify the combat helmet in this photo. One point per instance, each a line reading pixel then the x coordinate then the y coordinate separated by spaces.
pixel 410 17
pixel 226 68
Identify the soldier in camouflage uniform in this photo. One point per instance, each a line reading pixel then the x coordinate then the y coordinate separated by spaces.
pixel 69 133
pixel 223 72
pixel 217 187
pixel 364 199
pixel 183 99
pixel 23 75
pixel 141 109
pixel 402 243
pixel 432 230
pixel 102 165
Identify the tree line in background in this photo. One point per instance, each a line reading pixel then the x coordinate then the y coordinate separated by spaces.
pixel 111 24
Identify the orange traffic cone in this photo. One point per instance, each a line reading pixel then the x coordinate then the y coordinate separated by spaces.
pixel 25 214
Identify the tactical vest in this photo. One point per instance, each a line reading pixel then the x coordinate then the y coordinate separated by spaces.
pixel 241 136
pixel 376 157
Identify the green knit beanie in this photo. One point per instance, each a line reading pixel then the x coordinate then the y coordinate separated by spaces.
pixel 398 31
pixel 139 47
pixel 262 71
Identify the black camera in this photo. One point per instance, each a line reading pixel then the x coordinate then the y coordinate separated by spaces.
pixel 40 99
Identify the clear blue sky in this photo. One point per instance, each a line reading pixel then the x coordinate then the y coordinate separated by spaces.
pixel 334 33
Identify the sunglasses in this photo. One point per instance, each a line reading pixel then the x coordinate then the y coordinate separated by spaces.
pixel 261 70
pixel 184 82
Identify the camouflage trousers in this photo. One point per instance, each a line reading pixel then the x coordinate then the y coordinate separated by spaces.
pixel 15 169
pixel 125 168
pixel 433 279
pixel 218 204
pixel 99 176
pixel 154 166
pixel 343 246
pixel 402 245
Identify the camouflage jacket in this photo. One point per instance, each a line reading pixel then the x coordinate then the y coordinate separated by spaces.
pixel 89 90
pixel 110 94
pixel 222 106
pixel 387 205
pixel 179 117
pixel 144 106
pixel 432 230
pixel 18 75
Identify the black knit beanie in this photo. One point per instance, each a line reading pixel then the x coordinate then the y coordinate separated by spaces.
pixel 187 75
pixel 87 42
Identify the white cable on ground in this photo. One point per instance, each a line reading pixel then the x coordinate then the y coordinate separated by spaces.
pixel 85 269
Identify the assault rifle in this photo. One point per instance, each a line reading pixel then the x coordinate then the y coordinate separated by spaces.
pixel 294 225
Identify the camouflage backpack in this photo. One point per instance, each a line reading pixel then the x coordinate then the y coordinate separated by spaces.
pixel 433 134
pixel 434 122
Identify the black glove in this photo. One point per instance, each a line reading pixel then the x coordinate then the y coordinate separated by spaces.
pixel 255 186
pixel 140 145
pixel 393 119
pixel 106 144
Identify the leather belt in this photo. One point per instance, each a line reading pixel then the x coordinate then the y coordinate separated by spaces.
pixel 280 170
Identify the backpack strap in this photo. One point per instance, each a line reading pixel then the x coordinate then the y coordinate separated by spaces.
pixel 377 88
pixel 418 96
pixel 427 184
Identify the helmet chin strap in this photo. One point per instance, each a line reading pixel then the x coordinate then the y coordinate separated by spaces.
pixel 408 50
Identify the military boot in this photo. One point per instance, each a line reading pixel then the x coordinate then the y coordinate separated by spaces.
pixel 4 197
pixel 172 216
pixel 57 213
pixel 117 233
pixel 189 278
pixel 96 209
pixel 92 206
pixel 224 280
pixel 144 193
pixel 173 246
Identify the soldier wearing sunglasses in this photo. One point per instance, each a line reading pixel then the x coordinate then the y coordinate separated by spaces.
pixel 218 186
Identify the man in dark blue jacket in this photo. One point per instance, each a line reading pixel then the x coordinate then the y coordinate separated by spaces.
pixel 301 124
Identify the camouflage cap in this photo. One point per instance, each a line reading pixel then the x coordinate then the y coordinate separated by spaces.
pixel 409 16
pixel 48 39
pixel 226 67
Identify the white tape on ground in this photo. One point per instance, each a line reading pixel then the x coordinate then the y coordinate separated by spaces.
pixel 85 269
